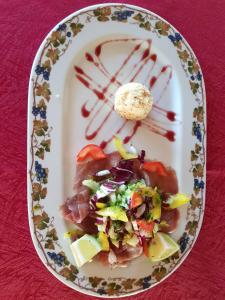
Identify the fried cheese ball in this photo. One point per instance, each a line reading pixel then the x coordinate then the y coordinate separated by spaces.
pixel 133 101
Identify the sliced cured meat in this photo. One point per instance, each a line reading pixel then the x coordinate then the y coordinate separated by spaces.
pixel 167 184
pixel 133 165
pixel 123 254
pixel 127 253
pixel 102 257
pixel 76 208
pixel 89 168
pixel 88 225
pixel 78 211
pixel 139 173
pixel 171 217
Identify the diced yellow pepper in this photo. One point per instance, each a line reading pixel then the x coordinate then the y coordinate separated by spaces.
pixel 114 212
pixel 156 212
pixel 100 205
pixel 72 233
pixel 132 240
pixel 122 151
pixel 163 224
pixel 115 243
pixel 178 200
pixel 147 191
pixel 103 239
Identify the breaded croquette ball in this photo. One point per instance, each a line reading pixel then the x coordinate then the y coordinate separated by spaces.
pixel 133 101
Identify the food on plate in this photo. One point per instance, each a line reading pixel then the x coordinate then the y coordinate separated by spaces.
pixel 133 101
pixel 85 248
pixel 123 206
pixel 161 247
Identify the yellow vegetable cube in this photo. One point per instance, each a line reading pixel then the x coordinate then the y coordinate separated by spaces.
pixel 103 239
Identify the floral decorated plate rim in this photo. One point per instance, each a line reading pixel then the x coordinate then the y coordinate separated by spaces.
pixel 38 127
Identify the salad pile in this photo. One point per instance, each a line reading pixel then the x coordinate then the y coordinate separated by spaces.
pixel 128 211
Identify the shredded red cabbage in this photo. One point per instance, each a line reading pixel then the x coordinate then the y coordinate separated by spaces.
pixel 141 156
pixel 92 206
pixel 117 183
pixel 143 240
pixel 110 186
pixel 127 164
pixel 129 213
pixel 99 220
pixel 99 178
pixel 141 210
pixel 93 201
pixel 148 203
pixel 165 205
pixel 132 212
pixel 120 174
pixel 107 226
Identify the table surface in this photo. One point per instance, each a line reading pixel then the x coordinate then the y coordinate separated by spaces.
pixel 23 25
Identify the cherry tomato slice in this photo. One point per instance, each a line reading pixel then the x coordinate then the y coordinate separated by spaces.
pixel 91 150
pixel 136 200
pixel 147 226
pixel 155 166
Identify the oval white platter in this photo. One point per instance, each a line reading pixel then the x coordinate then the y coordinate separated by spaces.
pixel 76 71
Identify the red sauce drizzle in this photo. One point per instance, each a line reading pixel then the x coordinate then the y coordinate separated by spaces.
pixel 101 92
pixel 98 50
pixel 171 116
pixel 98 94
pixel 153 57
pixel 78 70
pixel 91 136
pixel 164 68
pixel 135 128
pixel 85 82
pixel 152 81
pixel 170 135
pixel 103 144
pixel 145 54
pixel 89 57
pixel 137 47
pixel 85 113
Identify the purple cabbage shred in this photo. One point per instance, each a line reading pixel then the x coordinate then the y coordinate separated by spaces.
pixel 141 156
